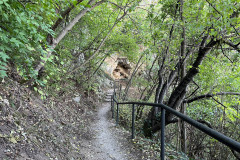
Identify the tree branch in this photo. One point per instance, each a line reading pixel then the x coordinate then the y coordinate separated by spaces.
pixel 193 93
pixel 122 8
pixel 4 28
pixel 191 73
pixel 205 122
pixel 101 44
pixel 21 4
pixel 59 21
pixel 209 96
pixel 65 31
pixel 232 45
pixel 64 14
pixel 225 54
pixel 222 16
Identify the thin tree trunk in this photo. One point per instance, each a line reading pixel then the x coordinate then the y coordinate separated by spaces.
pixel 60 19
pixel 98 67
pixel 146 98
pixel 101 44
pixel 183 141
pixel 132 75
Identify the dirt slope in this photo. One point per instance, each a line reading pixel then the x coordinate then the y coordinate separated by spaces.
pixel 34 129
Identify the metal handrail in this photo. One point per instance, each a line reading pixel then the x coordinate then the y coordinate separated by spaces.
pixel 209 131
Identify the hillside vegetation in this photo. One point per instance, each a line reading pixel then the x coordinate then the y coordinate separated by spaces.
pixel 58 57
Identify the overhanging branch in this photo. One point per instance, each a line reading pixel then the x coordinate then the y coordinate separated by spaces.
pixel 209 96
pixel 232 45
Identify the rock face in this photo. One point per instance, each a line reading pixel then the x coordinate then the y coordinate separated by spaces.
pixel 109 65
pixel 118 67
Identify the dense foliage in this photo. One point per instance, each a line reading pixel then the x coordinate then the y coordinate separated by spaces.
pixel 186 54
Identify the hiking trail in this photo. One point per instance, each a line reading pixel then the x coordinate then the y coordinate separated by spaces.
pixel 108 142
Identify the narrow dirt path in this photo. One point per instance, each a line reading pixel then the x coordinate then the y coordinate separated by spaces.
pixel 107 143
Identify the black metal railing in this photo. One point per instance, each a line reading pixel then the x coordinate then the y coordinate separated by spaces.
pixel 211 132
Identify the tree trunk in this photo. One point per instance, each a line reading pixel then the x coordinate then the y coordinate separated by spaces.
pixel 64 32
pixel 146 98
pixel 101 44
pixel 183 141
pixel 132 75
pixel 59 21
pixel 179 92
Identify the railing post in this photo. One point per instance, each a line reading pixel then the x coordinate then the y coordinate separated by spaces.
pixel 162 133
pixel 113 107
pixel 133 119
pixel 120 90
pixel 112 103
pixel 114 88
pixel 117 114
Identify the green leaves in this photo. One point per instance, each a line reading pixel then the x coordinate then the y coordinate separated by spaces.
pixel 4 56
pixel 23 33
pixel 3 2
pixel 3 59
pixel 15 41
pixel 3 73
pixel 124 44
pixel 85 4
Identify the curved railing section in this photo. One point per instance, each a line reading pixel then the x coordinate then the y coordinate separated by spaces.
pixel 209 131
